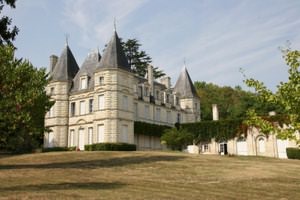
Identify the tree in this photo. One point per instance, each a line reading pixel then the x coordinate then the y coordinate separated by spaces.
pixel 23 102
pixel 139 59
pixel 232 102
pixel 7 34
pixel 287 96
pixel 176 139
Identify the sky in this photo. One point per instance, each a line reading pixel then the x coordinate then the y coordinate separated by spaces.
pixel 216 38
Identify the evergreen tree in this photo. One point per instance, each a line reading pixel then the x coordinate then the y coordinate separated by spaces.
pixel 139 59
pixel 7 34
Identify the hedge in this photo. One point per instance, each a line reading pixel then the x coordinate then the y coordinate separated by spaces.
pixel 221 130
pixel 110 147
pixel 58 149
pixel 293 153
pixel 144 128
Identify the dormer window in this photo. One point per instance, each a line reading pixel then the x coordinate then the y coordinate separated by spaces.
pixel 83 82
pixel 101 80
pixel 146 92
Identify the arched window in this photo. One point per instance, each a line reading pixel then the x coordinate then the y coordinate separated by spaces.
pixel 261 145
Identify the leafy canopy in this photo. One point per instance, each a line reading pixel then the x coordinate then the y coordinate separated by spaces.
pixel 7 33
pixel 23 102
pixel 287 96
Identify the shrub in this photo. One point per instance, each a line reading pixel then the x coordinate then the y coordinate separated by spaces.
pixel 110 147
pixel 177 139
pixel 144 128
pixel 59 149
pixel 293 153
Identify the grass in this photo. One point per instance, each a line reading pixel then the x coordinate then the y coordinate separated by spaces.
pixel 146 175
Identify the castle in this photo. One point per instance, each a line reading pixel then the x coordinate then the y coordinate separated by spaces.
pixel 100 101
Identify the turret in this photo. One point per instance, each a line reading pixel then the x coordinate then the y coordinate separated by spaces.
pixel 188 97
pixel 62 72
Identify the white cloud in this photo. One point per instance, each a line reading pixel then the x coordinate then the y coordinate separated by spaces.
pixel 94 19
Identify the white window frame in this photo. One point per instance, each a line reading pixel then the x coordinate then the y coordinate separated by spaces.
pixel 101 80
pixel 72 138
pixel 101 102
pixel 100 133
pixel 82 107
pixel 125 102
pixel 90 135
pixel 83 83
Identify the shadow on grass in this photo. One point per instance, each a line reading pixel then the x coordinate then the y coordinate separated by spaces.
pixel 92 164
pixel 65 186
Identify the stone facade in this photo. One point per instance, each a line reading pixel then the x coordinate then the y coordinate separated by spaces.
pixel 100 101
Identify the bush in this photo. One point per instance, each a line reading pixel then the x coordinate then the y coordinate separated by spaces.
pixel 144 128
pixel 110 147
pixel 293 153
pixel 59 149
pixel 177 139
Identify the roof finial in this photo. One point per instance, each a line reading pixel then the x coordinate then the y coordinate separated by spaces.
pixel 184 63
pixel 115 25
pixel 67 39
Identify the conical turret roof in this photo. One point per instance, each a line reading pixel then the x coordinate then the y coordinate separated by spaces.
pixel 184 85
pixel 114 56
pixel 66 67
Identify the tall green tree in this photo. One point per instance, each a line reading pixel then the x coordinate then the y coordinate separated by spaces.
pixel 232 102
pixel 7 33
pixel 139 59
pixel 287 96
pixel 23 102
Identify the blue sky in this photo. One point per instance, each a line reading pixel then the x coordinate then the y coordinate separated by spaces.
pixel 216 37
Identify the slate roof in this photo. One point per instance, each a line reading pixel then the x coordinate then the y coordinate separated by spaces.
pixel 114 56
pixel 185 86
pixel 88 68
pixel 66 66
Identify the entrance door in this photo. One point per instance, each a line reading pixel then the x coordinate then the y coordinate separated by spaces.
pixel 50 139
pixel 281 148
pixel 223 148
pixel 81 139
pixel 242 149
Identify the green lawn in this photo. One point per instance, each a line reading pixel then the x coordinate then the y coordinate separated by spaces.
pixel 146 175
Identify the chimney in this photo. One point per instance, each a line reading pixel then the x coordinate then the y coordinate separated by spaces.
pixel 166 81
pixel 215 112
pixel 53 61
pixel 151 79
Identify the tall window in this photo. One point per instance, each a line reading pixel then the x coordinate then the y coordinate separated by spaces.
pixel 101 101
pixel 169 120
pixel 136 111
pixel 168 98
pixel 91 101
pixel 101 133
pixel 101 80
pixel 157 114
pixel 178 117
pixel 82 107
pixel 90 135
pixel 73 109
pixel 261 145
pixel 52 91
pixel 125 102
pixel 51 111
pixel 124 133
pixel 147 110
pixel 83 83
pixel 72 135
pixel 157 95
pixel 50 139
